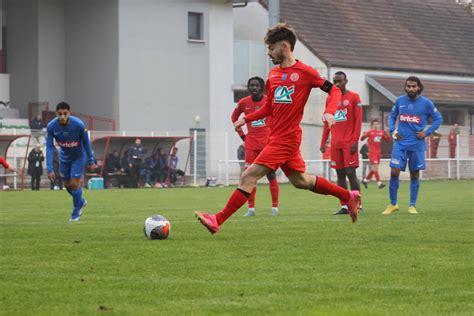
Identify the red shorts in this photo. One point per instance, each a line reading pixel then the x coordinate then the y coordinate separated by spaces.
pixel 342 158
pixel 251 155
pixel 374 158
pixel 284 156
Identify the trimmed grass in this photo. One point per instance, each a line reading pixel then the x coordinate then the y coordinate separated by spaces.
pixel 305 261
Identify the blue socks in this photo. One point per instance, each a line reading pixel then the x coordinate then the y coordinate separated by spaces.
pixel 393 188
pixel 77 198
pixel 414 187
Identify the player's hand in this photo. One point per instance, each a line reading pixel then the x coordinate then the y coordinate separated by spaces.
pixel 322 149
pixel 396 135
pixel 51 176
pixel 353 148
pixel 420 134
pixel 239 123
pixel 93 167
pixel 329 118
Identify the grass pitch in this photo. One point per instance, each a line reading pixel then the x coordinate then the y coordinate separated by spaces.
pixel 305 261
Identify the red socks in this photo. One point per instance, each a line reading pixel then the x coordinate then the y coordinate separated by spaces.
pixel 252 198
pixel 274 191
pixel 377 177
pixel 323 186
pixel 236 200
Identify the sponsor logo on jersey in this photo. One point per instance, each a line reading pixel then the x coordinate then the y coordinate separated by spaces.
pixel 284 76
pixel 410 118
pixel 294 77
pixel 377 139
pixel 283 94
pixel 259 123
pixel 340 115
pixel 68 144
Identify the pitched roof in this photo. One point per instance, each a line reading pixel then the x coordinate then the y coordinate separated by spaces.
pixel 431 36
pixel 440 91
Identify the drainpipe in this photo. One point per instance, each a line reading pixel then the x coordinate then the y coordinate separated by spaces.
pixel 273 12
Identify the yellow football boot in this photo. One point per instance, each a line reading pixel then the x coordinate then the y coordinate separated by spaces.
pixel 390 209
pixel 412 210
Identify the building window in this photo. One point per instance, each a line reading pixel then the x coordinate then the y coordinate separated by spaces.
pixel 451 117
pixel 195 26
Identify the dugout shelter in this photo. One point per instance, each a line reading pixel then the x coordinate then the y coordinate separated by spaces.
pixel 103 146
pixel 5 143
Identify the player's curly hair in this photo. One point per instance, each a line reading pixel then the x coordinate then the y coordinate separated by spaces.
pixel 417 80
pixel 281 32
pixel 260 81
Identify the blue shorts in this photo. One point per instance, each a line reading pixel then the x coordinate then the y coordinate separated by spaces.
pixel 72 169
pixel 416 159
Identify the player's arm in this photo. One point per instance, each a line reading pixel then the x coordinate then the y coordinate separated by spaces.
pixel 50 154
pixel 263 112
pixel 386 136
pixel 234 117
pixel 334 95
pixel 437 119
pixel 357 124
pixel 392 120
pixel 86 144
pixel 324 137
pixel 364 136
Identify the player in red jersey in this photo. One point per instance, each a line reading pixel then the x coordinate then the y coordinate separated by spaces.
pixel 345 137
pixel 375 136
pixel 288 88
pixel 258 135
pixel 5 165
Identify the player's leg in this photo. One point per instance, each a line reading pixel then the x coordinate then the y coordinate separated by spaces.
pixel 377 176
pixel 416 163
pixel 238 198
pixel 77 168
pixel 398 163
pixel 250 156
pixel 274 190
pixel 354 182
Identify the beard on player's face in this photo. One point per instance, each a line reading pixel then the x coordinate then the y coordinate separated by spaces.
pixel 413 94
pixel 277 55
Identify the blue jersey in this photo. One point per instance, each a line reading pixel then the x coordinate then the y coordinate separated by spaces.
pixel 72 139
pixel 413 117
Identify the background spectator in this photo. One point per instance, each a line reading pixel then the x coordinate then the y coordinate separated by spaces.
pixel 147 170
pixel 434 143
pixel 135 160
pixel 37 126
pixel 161 168
pixel 58 180
pixel 173 165
pixel 364 152
pixel 35 166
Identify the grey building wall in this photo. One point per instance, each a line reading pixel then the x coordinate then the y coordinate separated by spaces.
pixel 51 51
pixel 164 78
pixel 91 50
pixel 22 52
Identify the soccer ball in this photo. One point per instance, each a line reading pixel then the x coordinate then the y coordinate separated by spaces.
pixel 156 227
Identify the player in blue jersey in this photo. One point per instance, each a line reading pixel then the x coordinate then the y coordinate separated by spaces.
pixel 412 111
pixel 75 149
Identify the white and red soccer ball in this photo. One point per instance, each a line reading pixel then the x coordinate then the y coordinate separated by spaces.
pixel 156 227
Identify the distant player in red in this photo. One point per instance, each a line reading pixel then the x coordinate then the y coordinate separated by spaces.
pixel 258 135
pixel 345 137
pixel 288 88
pixel 5 165
pixel 375 136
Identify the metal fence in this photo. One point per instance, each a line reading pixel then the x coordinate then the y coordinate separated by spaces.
pixel 214 155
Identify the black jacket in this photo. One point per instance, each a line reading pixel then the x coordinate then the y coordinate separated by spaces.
pixel 35 162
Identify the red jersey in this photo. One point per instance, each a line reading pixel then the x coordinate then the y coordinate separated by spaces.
pixel 375 140
pixel 4 163
pixel 288 90
pixel 259 131
pixel 348 118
